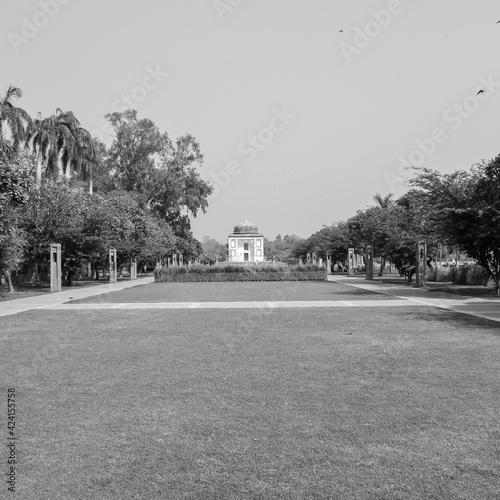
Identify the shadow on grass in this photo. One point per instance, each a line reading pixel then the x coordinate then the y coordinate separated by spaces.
pixel 455 319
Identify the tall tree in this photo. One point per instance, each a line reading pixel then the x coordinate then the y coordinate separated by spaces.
pixel 62 146
pixel 162 172
pixel 466 211
pixel 14 122
pixel 14 185
pixel 42 138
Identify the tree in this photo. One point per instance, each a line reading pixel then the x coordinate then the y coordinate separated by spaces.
pixel 383 201
pixel 14 122
pixel 42 137
pixel 12 243
pixel 62 145
pixel 14 185
pixel 162 173
pixel 466 211
pixel 213 251
pixel 53 214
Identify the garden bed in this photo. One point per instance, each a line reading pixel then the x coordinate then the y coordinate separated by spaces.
pixel 239 273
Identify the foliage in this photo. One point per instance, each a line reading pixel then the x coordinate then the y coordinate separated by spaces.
pixel 14 122
pixel 212 251
pixel 230 272
pixel 12 243
pixel 163 173
pixel 283 249
pixel 466 210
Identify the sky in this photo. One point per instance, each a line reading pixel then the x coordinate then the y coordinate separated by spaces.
pixel 304 110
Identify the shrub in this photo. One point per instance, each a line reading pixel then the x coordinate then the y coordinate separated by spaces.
pixel 234 272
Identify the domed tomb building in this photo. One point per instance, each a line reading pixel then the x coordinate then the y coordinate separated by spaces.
pixel 246 244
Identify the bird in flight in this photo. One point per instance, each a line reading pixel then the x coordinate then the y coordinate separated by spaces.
pixel 481 91
pixel 343 30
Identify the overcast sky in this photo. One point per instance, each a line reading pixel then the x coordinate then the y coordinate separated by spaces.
pixel 304 109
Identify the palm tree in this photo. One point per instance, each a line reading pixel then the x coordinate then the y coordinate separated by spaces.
pixel 384 202
pixel 66 147
pixel 62 146
pixel 77 151
pixel 13 120
pixel 88 157
pixel 42 139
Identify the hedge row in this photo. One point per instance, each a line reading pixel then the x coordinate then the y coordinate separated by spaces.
pixel 310 276
pixel 462 275
pixel 239 273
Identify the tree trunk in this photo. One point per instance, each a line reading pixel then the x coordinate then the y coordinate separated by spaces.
pixel 38 180
pixel 59 165
pixel 68 168
pixel 9 281
pixel 96 271
pixel 382 266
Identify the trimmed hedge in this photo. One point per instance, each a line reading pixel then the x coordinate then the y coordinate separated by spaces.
pixel 464 275
pixel 232 272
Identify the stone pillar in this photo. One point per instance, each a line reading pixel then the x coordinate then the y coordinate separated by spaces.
pixel 174 259
pixel 300 261
pixel 113 266
pixel 369 262
pixel 420 256
pixel 320 261
pixel 329 262
pixel 181 260
pixel 314 258
pixel 133 269
pixel 350 262
pixel 308 258
pixel 55 267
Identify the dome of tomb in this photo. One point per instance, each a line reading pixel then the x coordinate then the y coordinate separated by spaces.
pixel 246 227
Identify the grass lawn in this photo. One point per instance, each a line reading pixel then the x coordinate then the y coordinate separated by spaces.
pixel 23 290
pixel 237 291
pixel 385 403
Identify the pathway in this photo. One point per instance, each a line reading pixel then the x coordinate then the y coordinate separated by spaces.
pixel 401 296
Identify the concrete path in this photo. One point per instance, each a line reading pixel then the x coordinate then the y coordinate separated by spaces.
pixel 54 300
pixel 481 308
pixel 406 296
pixel 235 305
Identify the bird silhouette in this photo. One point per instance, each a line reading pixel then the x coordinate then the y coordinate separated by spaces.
pixel 343 30
pixel 480 92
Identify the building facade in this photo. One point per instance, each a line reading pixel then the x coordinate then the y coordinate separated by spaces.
pixel 246 244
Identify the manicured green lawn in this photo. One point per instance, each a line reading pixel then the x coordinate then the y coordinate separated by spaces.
pixel 385 403
pixel 237 291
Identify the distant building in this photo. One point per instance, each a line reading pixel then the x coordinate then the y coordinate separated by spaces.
pixel 246 244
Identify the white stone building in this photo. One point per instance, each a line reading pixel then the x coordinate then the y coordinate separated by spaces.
pixel 246 244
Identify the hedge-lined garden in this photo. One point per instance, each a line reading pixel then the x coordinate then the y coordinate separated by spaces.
pixel 461 275
pixel 232 272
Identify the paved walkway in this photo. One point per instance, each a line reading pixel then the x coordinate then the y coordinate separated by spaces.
pixel 55 300
pixel 405 295
pixel 481 308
